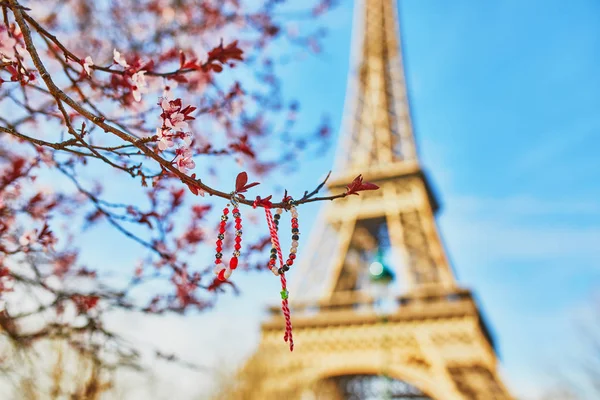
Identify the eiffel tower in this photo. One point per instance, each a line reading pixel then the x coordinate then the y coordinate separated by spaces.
pixel 381 314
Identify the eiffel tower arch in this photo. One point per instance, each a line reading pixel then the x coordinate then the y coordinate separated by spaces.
pixel 377 311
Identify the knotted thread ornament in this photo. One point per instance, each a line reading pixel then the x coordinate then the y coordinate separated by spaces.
pixel 283 267
pixel 223 273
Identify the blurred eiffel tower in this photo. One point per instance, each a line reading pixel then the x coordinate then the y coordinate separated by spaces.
pixel 359 333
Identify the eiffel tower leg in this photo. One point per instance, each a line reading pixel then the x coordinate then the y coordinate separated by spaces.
pixel 438 366
pixel 477 382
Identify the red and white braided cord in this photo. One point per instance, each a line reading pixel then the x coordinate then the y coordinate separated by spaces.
pixel 284 301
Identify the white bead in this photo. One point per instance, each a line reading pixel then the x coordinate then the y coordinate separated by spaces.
pixel 294 244
pixel 279 211
pixel 293 250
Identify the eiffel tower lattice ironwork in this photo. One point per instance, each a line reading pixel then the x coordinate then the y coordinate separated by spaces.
pixel 360 333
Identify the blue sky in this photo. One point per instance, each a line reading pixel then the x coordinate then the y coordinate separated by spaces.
pixel 505 98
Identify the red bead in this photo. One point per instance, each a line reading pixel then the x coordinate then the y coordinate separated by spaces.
pixel 238 219
pixel 292 256
pixel 238 226
pixel 233 263
pixel 219 248
pixel 222 229
pixel 289 262
pixel 294 220
pixel 271 262
pixel 219 242
pixel 294 225
pixel 226 211
pixel 236 210
pixel 237 246
pixel 217 261
pixel 221 275
pixel 238 239
pixel 223 223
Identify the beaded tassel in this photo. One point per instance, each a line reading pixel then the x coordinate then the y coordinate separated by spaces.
pixel 223 273
pixel 275 254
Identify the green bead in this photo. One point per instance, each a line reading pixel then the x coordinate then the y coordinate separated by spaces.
pixel 284 294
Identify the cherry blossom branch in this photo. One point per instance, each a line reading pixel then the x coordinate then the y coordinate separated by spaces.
pixel 51 90
pixel 99 121
pixel 69 55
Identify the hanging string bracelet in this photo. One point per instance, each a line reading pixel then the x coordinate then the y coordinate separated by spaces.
pixel 223 273
pixel 273 224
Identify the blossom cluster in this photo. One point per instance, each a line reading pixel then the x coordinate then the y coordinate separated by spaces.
pixel 12 53
pixel 9 46
pixel 6 283
pixel 132 78
pixel 85 114
pixel 174 126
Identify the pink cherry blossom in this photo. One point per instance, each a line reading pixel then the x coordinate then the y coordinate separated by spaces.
pixel 46 158
pixel 167 106
pixel 168 87
pixel 164 140
pixel 28 238
pixel 87 63
pixel 120 59
pixel 140 85
pixel 184 161
pixel 187 139
pixel 7 46
pixel 176 122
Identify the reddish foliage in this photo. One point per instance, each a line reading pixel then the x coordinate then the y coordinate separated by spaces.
pixel 266 202
pixel 223 55
pixel 241 183
pixel 142 114
pixel 358 185
pixel 243 146
pixel 85 303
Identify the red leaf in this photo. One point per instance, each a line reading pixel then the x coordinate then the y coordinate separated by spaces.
pixel 215 67
pixel 187 110
pixel 266 202
pixel 241 181
pixel 286 198
pixel 192 64
pixel 178 78
pixel 84 303
pixel 149 66
pixel 224 54
pixel 194 189
pixel 144 220
pixel 358 185
pixel 243 146
pixel 220 56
